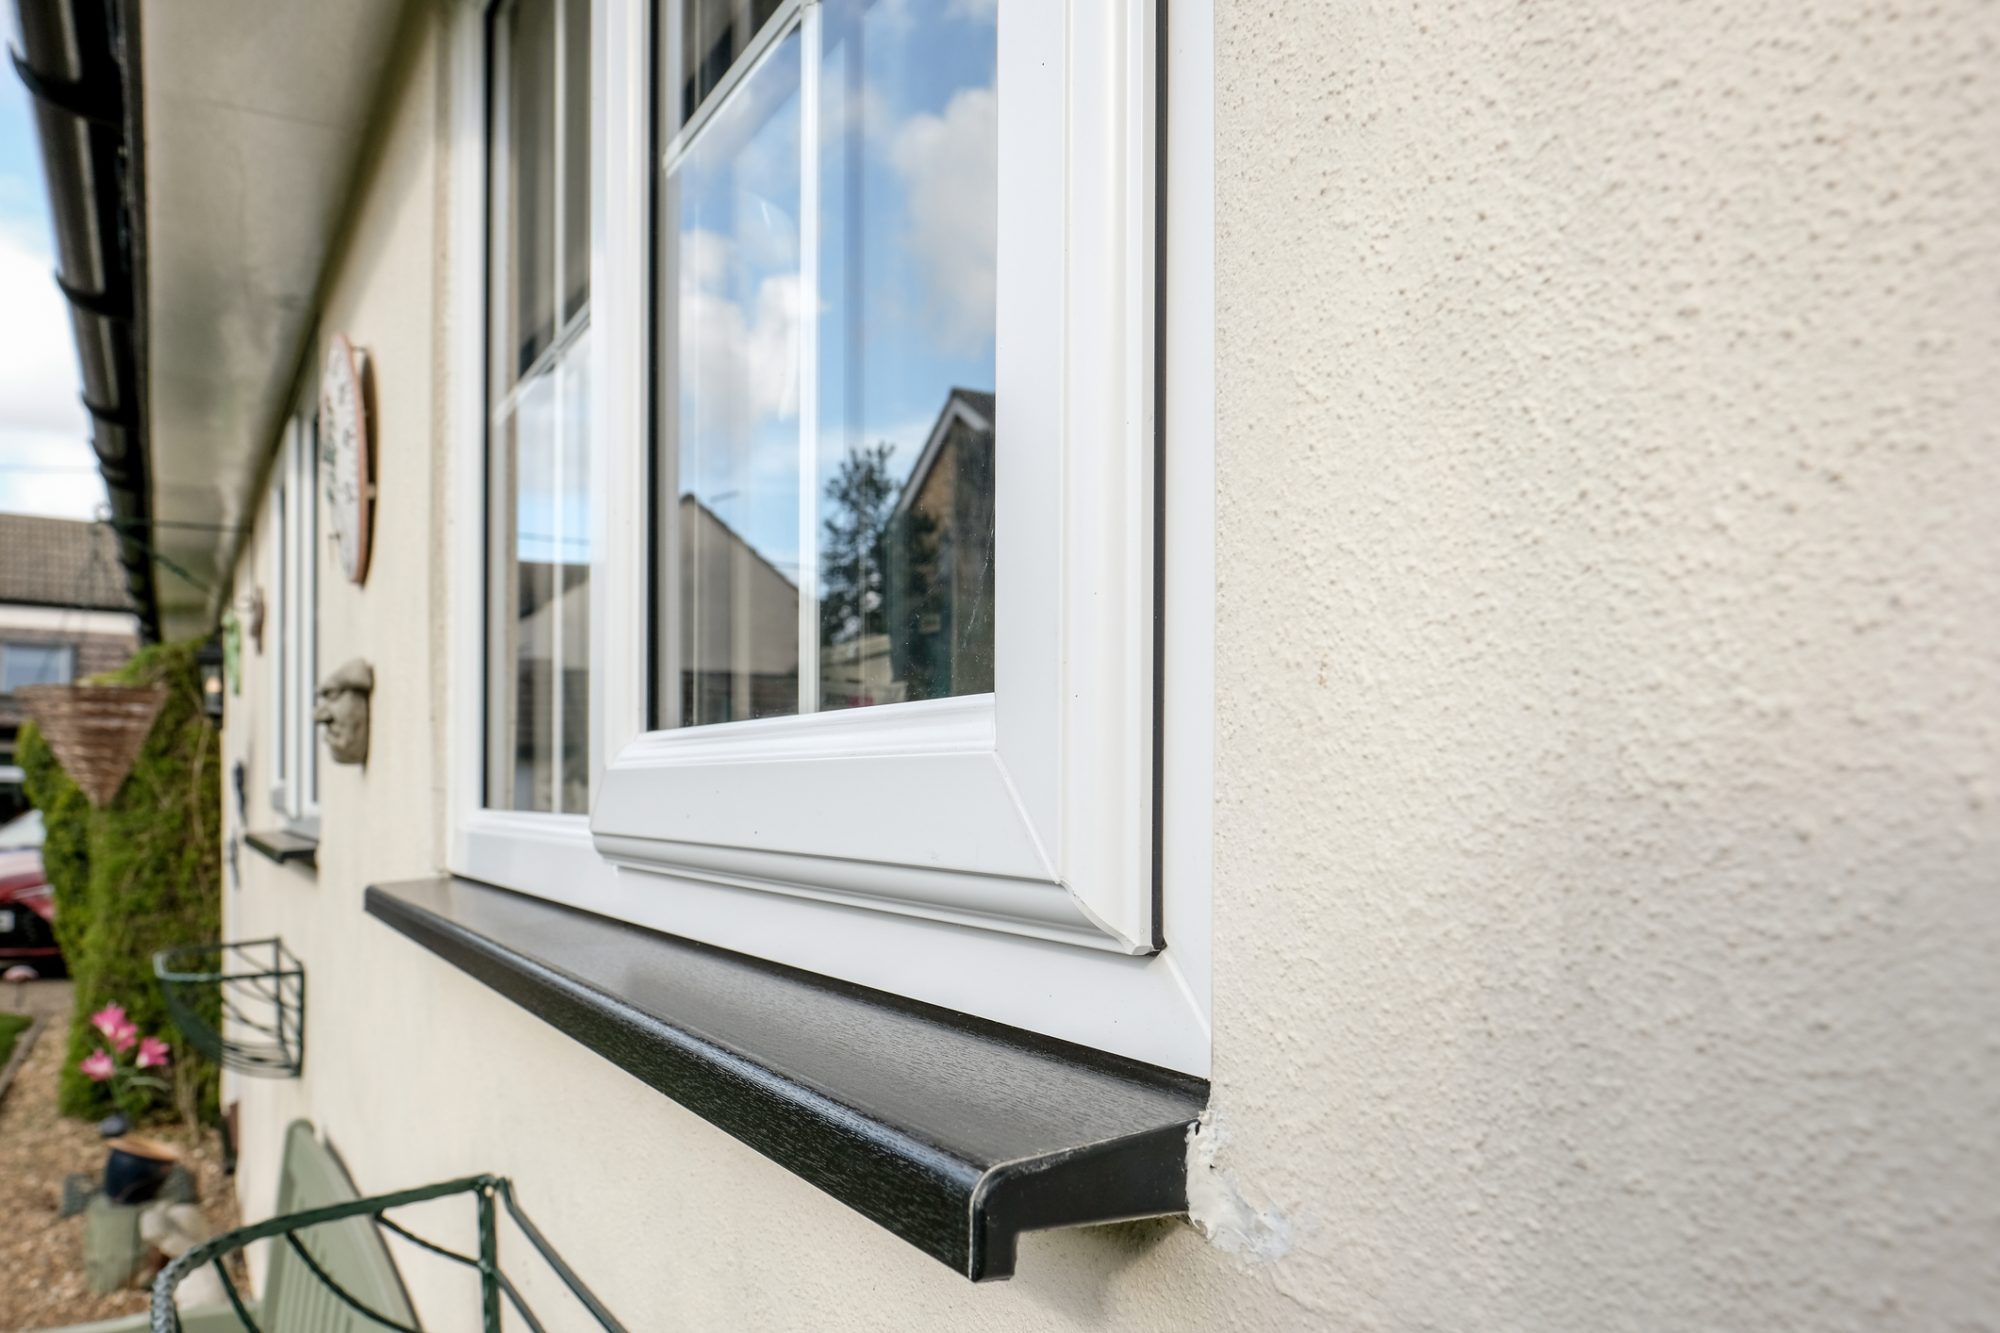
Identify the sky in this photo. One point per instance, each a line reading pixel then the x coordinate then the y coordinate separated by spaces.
pixel 46 465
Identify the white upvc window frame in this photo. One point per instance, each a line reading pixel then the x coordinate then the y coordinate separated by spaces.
pixel 292 618
pixel 1042 870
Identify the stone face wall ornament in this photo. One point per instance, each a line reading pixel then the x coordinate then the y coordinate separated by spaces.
pixel 343 711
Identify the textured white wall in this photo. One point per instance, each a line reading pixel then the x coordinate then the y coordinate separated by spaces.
pixel 1608 884
pixel 1609 529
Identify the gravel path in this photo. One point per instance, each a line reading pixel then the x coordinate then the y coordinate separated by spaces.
pixel 41 1258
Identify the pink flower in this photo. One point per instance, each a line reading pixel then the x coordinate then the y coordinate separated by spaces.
pixel 123 1036
pixel 97 1066
pixel 152 1052
pixel 109 1019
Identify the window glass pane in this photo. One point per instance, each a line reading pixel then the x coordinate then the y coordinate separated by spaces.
pixel 909 208
pixel 522 166
pixel 730 377
pixel 283 664
pixel 576 157
pixel 522 653
pixel 24 664
pixel 569 550
pixel 538 480
pixel 713 36
pixel 308 558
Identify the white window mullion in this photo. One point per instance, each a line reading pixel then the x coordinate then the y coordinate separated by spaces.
pixel 497 480
pixel 294 703
pixel 279 679
pixel 809 224
pixel 308 485
pixel 560 385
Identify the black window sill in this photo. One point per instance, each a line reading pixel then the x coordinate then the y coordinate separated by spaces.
pixel 283 846
pixel 954 1133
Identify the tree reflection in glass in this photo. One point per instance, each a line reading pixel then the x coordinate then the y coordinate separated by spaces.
pixel 732 202
pixel 908 191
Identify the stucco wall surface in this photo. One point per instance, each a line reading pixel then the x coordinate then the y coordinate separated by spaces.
pixel 1609 678
pixel 1608 879
pixel 378 822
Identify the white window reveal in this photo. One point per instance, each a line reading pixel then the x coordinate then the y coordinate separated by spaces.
pixel 292 618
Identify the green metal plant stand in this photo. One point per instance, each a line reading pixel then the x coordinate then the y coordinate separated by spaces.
pixel 492 1194
pixel 242 1005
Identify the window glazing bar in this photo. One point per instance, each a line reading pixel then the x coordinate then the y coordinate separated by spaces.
pixel 809 224
pixel 766 40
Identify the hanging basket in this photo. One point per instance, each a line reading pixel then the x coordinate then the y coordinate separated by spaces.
pixel 256 992
pixel 95 731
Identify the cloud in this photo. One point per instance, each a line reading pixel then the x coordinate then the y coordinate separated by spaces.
pixel 46 465
pixel 950 169
pixel 38 375
pixel 904 13
pixel 740 359
pixel 853 112
pixel 50 474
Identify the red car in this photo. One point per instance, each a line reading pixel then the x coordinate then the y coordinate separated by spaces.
pixel 27 909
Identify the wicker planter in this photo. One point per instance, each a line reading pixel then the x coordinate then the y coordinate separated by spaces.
pixel 95 731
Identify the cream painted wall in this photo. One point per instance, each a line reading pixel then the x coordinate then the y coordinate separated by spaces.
pixel 1609 519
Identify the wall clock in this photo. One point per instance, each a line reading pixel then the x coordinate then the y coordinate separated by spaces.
pixel 343 452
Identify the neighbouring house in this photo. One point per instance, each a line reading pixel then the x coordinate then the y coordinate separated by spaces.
pixel 1259 666
pixel 65 615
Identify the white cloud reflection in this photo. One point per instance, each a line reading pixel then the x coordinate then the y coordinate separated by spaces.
pixel 949 167
pixel 740 360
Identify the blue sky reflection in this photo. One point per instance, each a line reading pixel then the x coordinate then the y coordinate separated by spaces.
pixel 905 310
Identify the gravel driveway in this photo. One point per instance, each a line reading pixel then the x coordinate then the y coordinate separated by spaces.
pixel 41 1272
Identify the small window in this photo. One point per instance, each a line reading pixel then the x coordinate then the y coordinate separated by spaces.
pixel 23 664
pixel 843 673
pixel 902 657
pixel 292 619
pixel 538 421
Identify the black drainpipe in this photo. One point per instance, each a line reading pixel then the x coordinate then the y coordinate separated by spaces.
pixel 80 60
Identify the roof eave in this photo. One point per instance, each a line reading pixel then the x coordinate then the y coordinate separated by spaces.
pixel 80 61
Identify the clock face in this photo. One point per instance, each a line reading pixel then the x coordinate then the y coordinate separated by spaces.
pixel 343 455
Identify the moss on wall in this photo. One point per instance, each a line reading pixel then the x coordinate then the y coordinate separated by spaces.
pixel 140 875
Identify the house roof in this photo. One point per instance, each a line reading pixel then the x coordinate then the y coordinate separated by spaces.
pixel 971 406
pixel 982 403
pixel 59 562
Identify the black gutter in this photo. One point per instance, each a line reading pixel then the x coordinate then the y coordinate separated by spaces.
pixel 80 61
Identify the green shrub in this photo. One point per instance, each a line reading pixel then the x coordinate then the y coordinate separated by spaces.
pixel 11 1028
pixel 140 875
pixel 65 849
